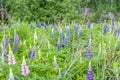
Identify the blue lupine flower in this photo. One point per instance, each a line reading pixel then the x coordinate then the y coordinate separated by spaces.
pixel 113 23
pixel 75 26
pixel 48 24
pixel 16 41
pixel 31 25
pixel 104 27
pixel 90 75
pixel 88 25
pixel 80 33
pixel 117 32
pixel 31 53
pixel 52 33
pixel 89 53
pixel 45 26
pixel 56 28
pixel 59 44
pixel 66 41
pixel 38 24
pixel 68 33
pixel 61 34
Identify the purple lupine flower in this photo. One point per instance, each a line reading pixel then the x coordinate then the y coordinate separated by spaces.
pixel 31 25
pixel 117 32
pixel 90 75
pixel 45 26
pixel 4 42
pixel 66 41
pixel 80 33
pixel 16 40
pixel 59 74
pixel 104 27
pixel 55 62
pixel 52 33
pixel 88 25
pixel 61 34
pixel 89 53
pixel 38 24
pixel 32 54
pixel 75 26
pixel 59 44
pixel 11 76
pixel 113 23
pixel 68 33
pixel 11 58
pixel 25 69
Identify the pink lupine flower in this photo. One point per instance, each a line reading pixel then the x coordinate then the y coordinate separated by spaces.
pixel 11 58
pixel 25 69
pixel 11 76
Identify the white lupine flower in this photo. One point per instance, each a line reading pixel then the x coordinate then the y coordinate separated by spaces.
pixel 25 69
pixel 11 76
pixel 11 58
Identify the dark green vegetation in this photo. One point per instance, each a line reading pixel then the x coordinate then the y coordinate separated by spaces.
pixel 49 10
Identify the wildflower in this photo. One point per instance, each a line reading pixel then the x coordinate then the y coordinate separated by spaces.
pixel 68 33
pixel 11 76
pixel 90 75
pixel 25 69
pixel 60 34
pixel 89 53
pixel 104 27
pixel 59 74
pixel 55 62
pixel 75 27
pixel 31 53
pixel 113 23
pixel 52 33
pixel 31 25
pixel 11 58
pixel 59 44
pixel 16 40
pixel 66 41
pixel 56 28
pixel 48 24
pixel 88 25
pixel 45 26
pixel 80 33
pixel 38 24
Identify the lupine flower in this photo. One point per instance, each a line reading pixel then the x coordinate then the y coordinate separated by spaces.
pixel 89 53
pixel 56 28
pixel 66 41
pixel 59 74
pixel 11 58
pixel 60 34
pixel 80 33
pixel 75 26
pixel 45 26
pixel 68 33
pixel 113 23
pixel 55 62
pixel 3 42
pixel 25 69
pixel 59 44
pixel 104 27
pixel 31 25
pixel 88 25
pixel 16 40
pixel 117 32
pixel 11 76
pixel 2 58
pixel 52 33
pixel 90 75
pixel 31 53
pixel 38 24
